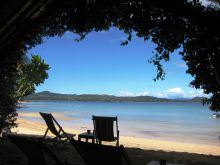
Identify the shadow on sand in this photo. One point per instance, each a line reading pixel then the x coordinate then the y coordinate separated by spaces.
pixel 66 153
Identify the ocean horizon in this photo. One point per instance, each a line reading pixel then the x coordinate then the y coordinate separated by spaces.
pixel 189 122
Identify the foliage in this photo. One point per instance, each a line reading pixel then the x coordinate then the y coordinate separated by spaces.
pixel 170 24
pixel 30 74
pixel 8 101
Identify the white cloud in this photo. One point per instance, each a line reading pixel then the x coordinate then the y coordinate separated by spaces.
pixel 175 93
pixel 130 94
pixel 196 93
pixel 143 93
pixel 171 93
pixel 125 93
pixel 191 92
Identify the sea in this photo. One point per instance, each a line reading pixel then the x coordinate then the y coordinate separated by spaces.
pixel 188 122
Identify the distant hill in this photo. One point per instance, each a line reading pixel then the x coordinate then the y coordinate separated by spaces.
pixel 197 99
pixel 46 95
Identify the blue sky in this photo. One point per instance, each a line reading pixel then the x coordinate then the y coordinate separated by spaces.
pixel 100 65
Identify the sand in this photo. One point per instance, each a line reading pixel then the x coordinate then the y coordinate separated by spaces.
pixel 28 126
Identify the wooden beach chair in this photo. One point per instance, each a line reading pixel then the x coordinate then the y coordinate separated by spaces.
pixel 95 154
pixel 54 127
pixel 34 150
pixel 104 129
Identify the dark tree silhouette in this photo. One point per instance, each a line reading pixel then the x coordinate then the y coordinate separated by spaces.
pixel 170 24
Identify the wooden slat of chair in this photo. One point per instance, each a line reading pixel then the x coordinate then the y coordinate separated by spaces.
pixel 104 129
pixel 59 134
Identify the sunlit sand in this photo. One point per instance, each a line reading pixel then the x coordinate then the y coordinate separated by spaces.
pixel 28 126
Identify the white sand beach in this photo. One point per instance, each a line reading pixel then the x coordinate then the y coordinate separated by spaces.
pixel 26 126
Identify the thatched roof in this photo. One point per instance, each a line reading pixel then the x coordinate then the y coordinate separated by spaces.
pixel 15 14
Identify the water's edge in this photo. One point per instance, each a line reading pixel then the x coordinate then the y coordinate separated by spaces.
pixel 178 121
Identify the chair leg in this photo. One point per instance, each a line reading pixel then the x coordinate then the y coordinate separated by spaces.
pixel 99 142
pixel 45 135
pixel 117 143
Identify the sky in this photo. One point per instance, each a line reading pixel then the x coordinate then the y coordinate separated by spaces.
pixel 100 65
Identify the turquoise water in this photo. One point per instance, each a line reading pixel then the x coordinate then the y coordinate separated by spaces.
pixel 188 122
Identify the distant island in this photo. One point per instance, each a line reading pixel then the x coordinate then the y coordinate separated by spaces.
pixel 46 95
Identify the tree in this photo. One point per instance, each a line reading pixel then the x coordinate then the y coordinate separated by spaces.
pixel 170 24
pixel 30 74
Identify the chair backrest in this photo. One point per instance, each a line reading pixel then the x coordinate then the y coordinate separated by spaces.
pixel 95 154
pixel 49 120
pixel 104 127
pixel 34 150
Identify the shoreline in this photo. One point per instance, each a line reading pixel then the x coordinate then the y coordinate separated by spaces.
pixel 28 126
pixel 113 101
